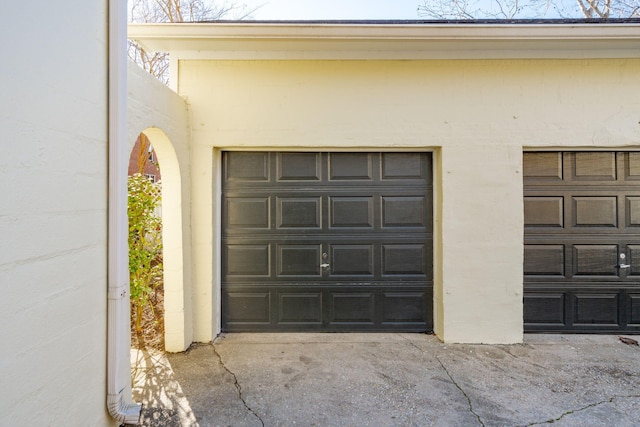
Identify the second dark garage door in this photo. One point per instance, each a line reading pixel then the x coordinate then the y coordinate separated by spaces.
pixel 327 241
pixel 582 241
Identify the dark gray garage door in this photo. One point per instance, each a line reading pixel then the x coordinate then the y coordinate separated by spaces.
pixel 582 241
pixel 327 241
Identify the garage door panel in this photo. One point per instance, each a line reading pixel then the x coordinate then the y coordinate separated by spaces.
pixel 299 166
pixel 595 260
pixel 402 259
pixel 543 166
pixel 632 166
pixel 352 307
pixel 248 307
pixel 633 304
pixel 406 211
pixel 248 212
pixel 403 166
pixel 248 260
pixel 299 212
pixel 545 308
pixel 247 166
pixel 633 254
pixel 352 260
pixel 351 212
pixel 596 309
pixel 404 307
pixel 599 166
pixel 595 211
pixel 544 211
pixel 544 260
pixel 299 260
pixel 300 308
pixel 633 211
pixel 346 307
pixel 350 166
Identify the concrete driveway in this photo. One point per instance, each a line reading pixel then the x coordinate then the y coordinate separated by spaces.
pixel 390 380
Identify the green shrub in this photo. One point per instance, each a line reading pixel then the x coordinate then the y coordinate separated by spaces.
pixel 145 242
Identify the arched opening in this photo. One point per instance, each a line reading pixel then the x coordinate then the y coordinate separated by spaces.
pixel 162 153
pixel 145 246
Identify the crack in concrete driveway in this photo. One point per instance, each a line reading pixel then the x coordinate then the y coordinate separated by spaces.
pixel 466 396
pixel 584 408
pixel 237 385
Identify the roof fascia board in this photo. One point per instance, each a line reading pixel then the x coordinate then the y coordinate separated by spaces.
pixel 388 41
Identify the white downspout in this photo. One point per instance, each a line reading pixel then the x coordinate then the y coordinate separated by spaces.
pixel 118 343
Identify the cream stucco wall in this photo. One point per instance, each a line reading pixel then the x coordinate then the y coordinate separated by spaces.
pixel 477 116
pixel 163 116
pixel 53 213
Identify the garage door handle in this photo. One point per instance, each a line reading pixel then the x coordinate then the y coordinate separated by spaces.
pixel 623 266
pixel 324 265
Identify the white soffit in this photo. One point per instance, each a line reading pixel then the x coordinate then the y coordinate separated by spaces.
pixel 363 40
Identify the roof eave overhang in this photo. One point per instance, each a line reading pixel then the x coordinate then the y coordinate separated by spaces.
pixel 399 41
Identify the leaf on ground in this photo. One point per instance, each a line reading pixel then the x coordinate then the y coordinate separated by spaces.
pixel 628 341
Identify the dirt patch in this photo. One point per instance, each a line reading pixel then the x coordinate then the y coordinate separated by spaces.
pixel 152 334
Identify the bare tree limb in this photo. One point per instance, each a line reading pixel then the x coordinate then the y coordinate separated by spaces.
pixel 593 5
pixel 588 13
pixel 517 9
pixel 174 11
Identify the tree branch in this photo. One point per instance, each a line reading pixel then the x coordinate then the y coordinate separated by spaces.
pixel 593 5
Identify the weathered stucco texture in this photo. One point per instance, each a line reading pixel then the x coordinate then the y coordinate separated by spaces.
pixel 53 214
pixel 477 116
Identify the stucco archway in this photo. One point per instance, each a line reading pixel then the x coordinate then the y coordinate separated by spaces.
pixel 172 240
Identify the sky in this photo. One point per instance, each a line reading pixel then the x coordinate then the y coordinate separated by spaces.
pixel 332 9
pixel 382 9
